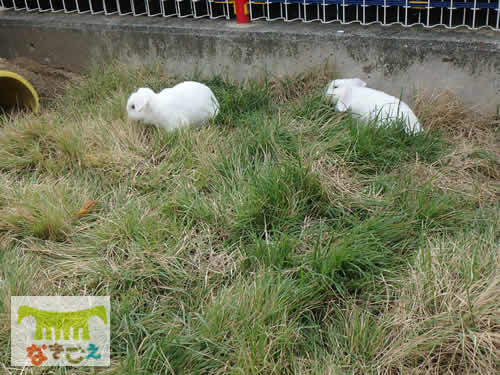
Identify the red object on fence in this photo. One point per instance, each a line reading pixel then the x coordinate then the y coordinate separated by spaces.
pixel 241 8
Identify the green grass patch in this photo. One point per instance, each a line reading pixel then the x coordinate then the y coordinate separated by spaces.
pixel 281 238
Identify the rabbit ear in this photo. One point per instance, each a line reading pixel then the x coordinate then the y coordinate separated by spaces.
pixel 345 99
pixel 348 82
pixel 140 102
pixel 358 82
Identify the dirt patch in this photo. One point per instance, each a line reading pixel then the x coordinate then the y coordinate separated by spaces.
pixel 49 82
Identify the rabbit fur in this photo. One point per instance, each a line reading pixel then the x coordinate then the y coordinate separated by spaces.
pixel 343 83
pixel 370 104
pixel 186 104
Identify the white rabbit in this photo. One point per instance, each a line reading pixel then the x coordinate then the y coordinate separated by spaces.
pixel 344 83
pixel 186 104
pixel 370 104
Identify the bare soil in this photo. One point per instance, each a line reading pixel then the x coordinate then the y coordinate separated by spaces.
pixel 49 82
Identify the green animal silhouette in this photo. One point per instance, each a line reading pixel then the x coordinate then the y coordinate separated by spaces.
pixel 61 321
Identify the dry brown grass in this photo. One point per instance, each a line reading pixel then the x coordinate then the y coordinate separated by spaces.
pixel 294 87
pixel 113 149
pixel 473 163
pixel 43 210
pixel 336 175
pixel 452 179
pixel 443 110
pixel 446 317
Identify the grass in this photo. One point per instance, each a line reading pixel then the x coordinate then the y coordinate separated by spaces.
pixel 282 238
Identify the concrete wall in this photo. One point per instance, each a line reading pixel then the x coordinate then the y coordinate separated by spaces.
pixel 388 58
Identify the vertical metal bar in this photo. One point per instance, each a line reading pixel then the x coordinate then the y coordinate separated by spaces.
pixel 92 8
pixel 66 10
pixel 498 15
pixel 164 9
pixel 122 13
pixel 28 9
pixel 78 7
pixel 108 12
pixel 428 12
pixel 406 13
pixel 474 15
pixel 451 14
pixel 463 18
pixel 488 15
pixel 385 13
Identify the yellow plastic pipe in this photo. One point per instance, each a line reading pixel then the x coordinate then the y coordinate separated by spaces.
pixel 17 91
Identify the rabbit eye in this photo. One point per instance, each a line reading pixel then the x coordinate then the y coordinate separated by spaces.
pixel 133 106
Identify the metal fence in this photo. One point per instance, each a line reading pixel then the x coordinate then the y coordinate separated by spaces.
pixel 151 8
pixel 474 15
pixel 451 14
